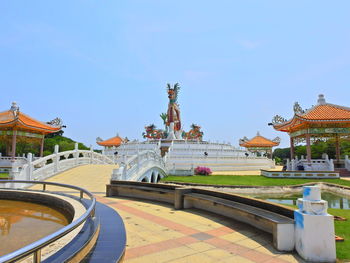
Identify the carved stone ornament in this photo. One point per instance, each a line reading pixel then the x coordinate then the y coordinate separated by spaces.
pixel 277 139
pixel 57 122
pixel 297 108
pixel 278 119
pixel 99 139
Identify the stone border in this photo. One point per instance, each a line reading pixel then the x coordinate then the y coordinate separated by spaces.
pixel 300 174
pixel 252 189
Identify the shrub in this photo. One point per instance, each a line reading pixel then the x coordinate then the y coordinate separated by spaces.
pixel 201 170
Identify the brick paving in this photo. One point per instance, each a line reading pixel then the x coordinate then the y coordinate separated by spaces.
pixel 158 233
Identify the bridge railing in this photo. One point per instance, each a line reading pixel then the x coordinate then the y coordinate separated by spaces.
pixel 57 162
pixel 130 168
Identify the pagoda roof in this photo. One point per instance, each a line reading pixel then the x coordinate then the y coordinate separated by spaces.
pixel 114 141
pixel 321 113
pixel 259 141
pixel 13 119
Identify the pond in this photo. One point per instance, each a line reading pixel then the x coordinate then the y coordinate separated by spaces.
pixel 22 223
pixel 334 201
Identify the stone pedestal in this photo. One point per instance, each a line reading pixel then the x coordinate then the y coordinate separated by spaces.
pixel 314 227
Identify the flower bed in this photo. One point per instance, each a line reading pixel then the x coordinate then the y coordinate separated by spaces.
pixel 201 170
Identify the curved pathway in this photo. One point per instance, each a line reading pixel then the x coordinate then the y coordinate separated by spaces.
pixel 158 233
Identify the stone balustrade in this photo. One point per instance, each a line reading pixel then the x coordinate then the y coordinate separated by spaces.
pixel 315 164
pixel 47 166
pixel 139 166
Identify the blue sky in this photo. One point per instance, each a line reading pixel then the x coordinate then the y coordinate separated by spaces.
pixel 102 66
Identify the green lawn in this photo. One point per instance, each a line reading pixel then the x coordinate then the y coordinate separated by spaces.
pixel 342 229
pixel 4 175
pixel 248 180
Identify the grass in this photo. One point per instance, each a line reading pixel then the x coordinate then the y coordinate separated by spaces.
pixel 342 228
pixel 248 180
pixel 4 175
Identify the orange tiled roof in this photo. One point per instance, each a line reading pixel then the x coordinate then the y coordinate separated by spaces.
pixel 327 112
pixel 258 141
pixel 14 119
pixel 115 141
pixel 322 113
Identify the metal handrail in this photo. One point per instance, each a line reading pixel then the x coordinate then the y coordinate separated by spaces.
pixel 35 247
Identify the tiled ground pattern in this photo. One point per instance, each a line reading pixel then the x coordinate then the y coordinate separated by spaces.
pixel 158 233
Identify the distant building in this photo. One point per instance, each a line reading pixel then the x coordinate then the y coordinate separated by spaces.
pixel 259 145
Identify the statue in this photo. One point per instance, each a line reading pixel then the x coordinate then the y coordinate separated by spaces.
pixel 173 114
pixel 297 109
pixel 278 119
pixel 194 134
pixel 57 122
pixel 153 133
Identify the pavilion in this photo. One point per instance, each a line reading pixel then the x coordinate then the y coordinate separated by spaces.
pixel 15 126
pixel 259 145
pixel 321 122
pixel 111 144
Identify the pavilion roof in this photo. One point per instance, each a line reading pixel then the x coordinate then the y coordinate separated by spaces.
pixel 258 141
pixel 321 113
pixel 13 119
pixel 114 141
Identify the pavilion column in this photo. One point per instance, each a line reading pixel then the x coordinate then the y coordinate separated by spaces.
pixel 337 147
pixel 291 148
pixel 42 146
pixel 308 148
pixel 14 142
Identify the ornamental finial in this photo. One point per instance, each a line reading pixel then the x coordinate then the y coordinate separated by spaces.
pixel 321 100
pixel 258 133
pixel 14 108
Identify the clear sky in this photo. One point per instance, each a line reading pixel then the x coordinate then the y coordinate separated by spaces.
pixel 102 66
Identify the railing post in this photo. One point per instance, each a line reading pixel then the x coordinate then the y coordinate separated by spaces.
pixel 37 256
pixel 30 167
pixel 56 158
pixel 138 161
pixel 76 153
pixel 91 153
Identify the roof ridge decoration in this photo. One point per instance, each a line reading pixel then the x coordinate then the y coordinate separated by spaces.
pixel 298 109
pixel 57 122
pixel 277 119
pixel 15 109
pixel 321 100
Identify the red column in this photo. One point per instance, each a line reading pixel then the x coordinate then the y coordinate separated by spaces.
pixel 308 148
pixel 337 148
pixel 291 148
pixel 14 142
pixel 42 146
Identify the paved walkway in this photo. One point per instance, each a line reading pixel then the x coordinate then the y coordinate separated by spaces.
pixel 158 233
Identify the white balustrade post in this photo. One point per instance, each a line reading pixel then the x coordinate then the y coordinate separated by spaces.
pixel 331 165
pixel 91 154
pixel 76 153
pixel 30 168
pixel 138 161
pixel 56 159
pixel 288 165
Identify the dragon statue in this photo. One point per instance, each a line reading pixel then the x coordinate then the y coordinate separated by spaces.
pixel 194 134
pixel 173 114
pixel 153 133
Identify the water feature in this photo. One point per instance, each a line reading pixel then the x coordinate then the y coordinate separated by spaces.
pixel 22 223
pixel 334 201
